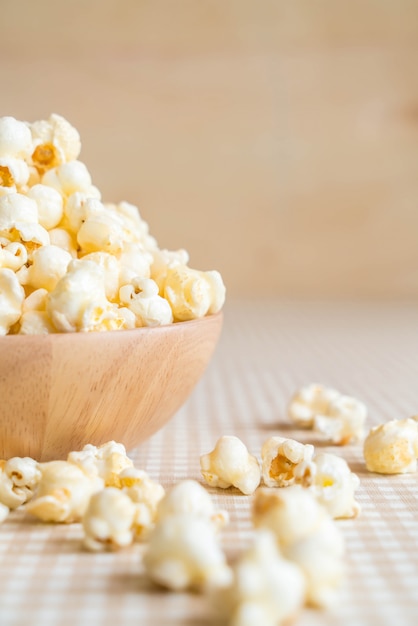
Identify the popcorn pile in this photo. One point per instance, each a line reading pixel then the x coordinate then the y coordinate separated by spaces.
pixel 70 262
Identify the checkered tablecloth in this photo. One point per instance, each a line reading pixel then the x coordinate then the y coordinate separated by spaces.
pixel 267 350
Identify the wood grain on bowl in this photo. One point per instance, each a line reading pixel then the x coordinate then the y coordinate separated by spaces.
pixel 61 391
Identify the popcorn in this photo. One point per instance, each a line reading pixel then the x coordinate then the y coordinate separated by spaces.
pixel 330 479
pixel 78 301
pixel 309 401
pixel 280 456
pixel 13 172
pixel 188 497
pixel 188 293
pixel 141 489
pixel 392 448
pixel 307 535
pixel 64 492
pixel 19 477
pixel 343 422
pixel 54 229
pixel 68 178
pixel 230 463
pixel 12 296
pixel 49 265
pixel 106 461
pixel 266 588
pixel 15 207
pixel 50 205
pixel 183 553
pixel 55 141
pixel 15 138
pixel 108 520
pixel 141 297
pixel 13 255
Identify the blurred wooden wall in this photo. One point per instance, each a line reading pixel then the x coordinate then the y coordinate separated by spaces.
pixel 276 140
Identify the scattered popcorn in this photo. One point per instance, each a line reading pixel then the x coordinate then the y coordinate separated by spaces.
pixel 190 498
pixel 19 477
pixel 344 421
pixel 52 213
pixel 266 588
pixel 141 489
pixel 63 493
pixel 106 461
pixel 332 482
pixel 230 464
pixel 108 520
pixel 280 456
pixel 306 535
pixel 309 401
pixel 392 448
pixel 183 553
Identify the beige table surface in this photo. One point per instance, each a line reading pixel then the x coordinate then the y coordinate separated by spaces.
pixel 267 350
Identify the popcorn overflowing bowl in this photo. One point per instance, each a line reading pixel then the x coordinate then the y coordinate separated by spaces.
pixel 61 391
pixel 102 333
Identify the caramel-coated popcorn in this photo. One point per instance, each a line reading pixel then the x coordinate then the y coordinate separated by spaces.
pixel 51 213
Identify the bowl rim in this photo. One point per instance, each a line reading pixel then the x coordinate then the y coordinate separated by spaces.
pixel 173 327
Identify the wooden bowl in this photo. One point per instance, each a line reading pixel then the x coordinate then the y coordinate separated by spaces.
pixel 61 391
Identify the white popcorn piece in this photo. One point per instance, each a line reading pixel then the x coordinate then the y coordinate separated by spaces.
pixel 13 255
pixel 49 265
pixel 64 492
pixel 188 293
pixel 279 457
pixel 183 553
pixel 134 261
pixel 34 319
pixel 13 172
pixel 330 479
pixel 50 205
pixel 63 239
pixel 108 520
pixel 15 138
pixel 15 207
pixel 141 297
pixel 55 141
pixel 344 421
pixel 35 323
pixel 311 400
pixel 217 290
pixel 230 464
pixel 266 588
pixel 68 178
pixel 32 235
pixel 19 477
pixel 306 535
pixel 106 461
pixel 141 489
pixel 164 260
pixel 109 265
pixel 190 498
pixel 392 448
pixel 12 296
pixel 135 227
pixel 79 301
pixel 78 207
